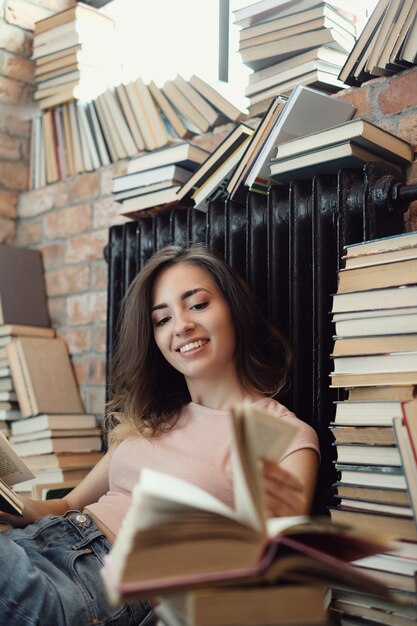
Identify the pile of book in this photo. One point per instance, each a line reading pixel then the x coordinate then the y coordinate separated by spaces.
pixel 234 566
pixel 347 145
pixel 120 123
pixel 41 410
pixel 153 179
pixel 285 43
pixel 239 163
pixel 73 51
pixel 387 44
pixel 375 429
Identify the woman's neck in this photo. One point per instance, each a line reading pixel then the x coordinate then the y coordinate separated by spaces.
pixel 220 396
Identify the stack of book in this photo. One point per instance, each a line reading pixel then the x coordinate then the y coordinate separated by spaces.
pixel 387 44
pixel 375 361
pixel 347 145
pixel 120 123
pixel 285 43
pixel 234 566
pixel 60 435
pixel 305 111
pixel 209 182
pixel 54 419
pixel 239 163
pixel 73 51
pixel 23 311
pixel 153 179
pixel 41 408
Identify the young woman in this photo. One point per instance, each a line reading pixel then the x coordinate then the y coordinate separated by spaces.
pixel 192 342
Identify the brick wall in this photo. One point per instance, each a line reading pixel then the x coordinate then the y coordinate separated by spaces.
pixel 69 220
pixel 392 104
pixel 17 18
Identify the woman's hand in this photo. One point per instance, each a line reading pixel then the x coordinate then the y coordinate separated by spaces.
pixel 291 484
pixel 284 493
pixel 33 510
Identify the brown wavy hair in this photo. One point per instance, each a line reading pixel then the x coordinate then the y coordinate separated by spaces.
pixel 147 392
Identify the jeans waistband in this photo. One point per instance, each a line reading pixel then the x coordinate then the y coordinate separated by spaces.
pixel 84 525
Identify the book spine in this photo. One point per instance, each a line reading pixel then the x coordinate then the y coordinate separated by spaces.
pixel 21 380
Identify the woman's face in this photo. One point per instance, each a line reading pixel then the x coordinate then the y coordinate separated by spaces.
pixel 192 322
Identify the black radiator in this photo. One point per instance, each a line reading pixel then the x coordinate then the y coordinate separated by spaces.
pixel 287 245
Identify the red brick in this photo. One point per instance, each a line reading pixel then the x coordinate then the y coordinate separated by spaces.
pixel 77 339
pixel 18 68
pixel 210 141
pixel 57 311
pixel 12 121
pixel 84 186
pixel 87 308
pixel 98 306
pixel 68 221
pixel 7 230
pixel 12 39
pixel 107 174
pixel 8 203
pixel 413 216
pixel 28 234
pixel 99 339
pixel 99 275
pixel 36 202
pixel 90 371
pixel 94 399
pixel 78 309
pixel 26 101
pixel 360 98
pixel 53 255
pixel 67 280
pixel 10 148
pixel 24 14
pixel 407 127
pixel 400 93
pixel 10 90
pixel 86 247
pixel 412 173
pixel 14 175
pixel 106 213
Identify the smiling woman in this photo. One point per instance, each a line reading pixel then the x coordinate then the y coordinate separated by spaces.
pixel 191 343
pixel 194 332
pixel 182 296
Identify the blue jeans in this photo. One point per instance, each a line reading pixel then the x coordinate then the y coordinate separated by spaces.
pixel 50 576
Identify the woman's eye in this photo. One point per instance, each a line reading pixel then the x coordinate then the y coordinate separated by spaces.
pixel 199 306
pixel 162 322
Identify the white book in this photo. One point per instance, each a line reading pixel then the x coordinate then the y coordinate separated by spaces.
pixel 305 112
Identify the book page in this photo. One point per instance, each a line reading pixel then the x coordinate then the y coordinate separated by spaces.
pixel 161 497
pixel 258 435
pixel 12 469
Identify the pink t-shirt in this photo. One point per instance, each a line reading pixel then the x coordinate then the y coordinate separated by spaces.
pixel 197 450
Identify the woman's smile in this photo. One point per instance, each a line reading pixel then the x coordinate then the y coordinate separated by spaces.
pixel 192 323
pixel 193 346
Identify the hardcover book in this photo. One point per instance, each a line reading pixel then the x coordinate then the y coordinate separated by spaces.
pixel 43 376
pixel 226 545
pixel 12 471
pixel 22 287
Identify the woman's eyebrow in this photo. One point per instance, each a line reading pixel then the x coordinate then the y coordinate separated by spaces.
pixel 184 296
pixel 191 292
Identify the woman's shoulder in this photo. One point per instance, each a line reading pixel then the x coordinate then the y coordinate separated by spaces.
pixel 273 406
pixel 281 411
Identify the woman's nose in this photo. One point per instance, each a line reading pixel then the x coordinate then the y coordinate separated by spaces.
pixel 183 325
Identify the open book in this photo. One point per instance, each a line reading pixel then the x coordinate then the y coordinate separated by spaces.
pixel 12 471
pixel 177 536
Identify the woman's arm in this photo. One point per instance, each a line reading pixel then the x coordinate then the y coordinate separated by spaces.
pixel 290 486
pixel 89 490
